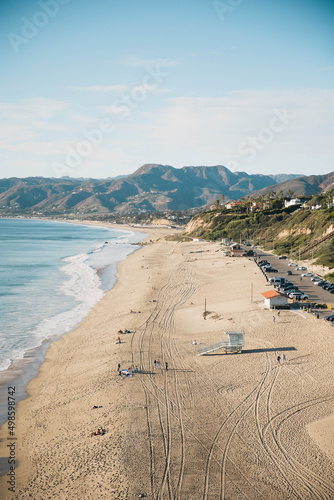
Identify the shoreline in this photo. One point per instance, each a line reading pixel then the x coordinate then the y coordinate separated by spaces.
pixel 166 411
pixel 21 371
pixel 38 370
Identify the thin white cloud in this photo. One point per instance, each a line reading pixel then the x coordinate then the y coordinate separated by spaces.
pixel 39 107
pixel 115 109
pixel 35 148
pixel 13 132
pixel 100 88
pixel 188 130
pixel 211 130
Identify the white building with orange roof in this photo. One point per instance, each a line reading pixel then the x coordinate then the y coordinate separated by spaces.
pixel 273 299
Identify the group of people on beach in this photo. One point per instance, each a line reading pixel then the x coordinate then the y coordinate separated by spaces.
pixel 156 364
pixel 125 330
pixel 126 372
pixel 98 432
pixel 279 358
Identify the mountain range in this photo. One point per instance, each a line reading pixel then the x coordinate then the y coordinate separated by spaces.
pixel 151 188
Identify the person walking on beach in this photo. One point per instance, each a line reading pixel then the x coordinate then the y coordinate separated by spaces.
pixel 158 364
pixel 278 359
pixel 119 367
pixel 278 313
pixel 273 319
pixel 155 364
pixel 283 357
pixel 166 366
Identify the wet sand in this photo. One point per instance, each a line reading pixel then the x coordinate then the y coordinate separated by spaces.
pixel 209 427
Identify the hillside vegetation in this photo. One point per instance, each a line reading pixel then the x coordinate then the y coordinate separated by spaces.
pixel 292 231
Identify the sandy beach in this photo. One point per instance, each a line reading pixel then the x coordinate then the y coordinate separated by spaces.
pixel 220 426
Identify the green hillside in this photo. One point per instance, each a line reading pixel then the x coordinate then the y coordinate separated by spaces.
pixel 294 231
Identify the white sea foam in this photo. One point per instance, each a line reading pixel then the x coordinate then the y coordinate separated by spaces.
pixel 40 316
pixel 83 283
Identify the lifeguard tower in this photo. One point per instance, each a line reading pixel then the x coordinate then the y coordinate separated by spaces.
pixel 235 343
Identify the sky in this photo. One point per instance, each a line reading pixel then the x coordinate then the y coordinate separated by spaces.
pixel 97 89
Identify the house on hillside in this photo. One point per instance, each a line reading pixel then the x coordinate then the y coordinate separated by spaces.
pixel 232 204
pixel 331 203
pixel 255 207
pixel 273 299
pixel 229 205
pixel 292 202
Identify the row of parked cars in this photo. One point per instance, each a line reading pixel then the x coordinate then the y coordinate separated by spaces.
pixel 326 285
pixel 291 290
pixel 283 284
pixel 266 266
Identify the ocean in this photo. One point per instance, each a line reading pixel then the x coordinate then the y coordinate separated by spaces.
pixel 51 274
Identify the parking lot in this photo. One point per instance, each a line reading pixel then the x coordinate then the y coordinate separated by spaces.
pixel 315 293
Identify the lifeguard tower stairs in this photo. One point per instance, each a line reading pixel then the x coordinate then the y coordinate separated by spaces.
pixel 235 343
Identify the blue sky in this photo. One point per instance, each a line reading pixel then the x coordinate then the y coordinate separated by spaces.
pixel 96 89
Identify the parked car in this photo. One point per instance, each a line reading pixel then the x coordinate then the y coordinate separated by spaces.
pixel 282 257
pixel 304 296
pixel 286 285
pixel 325 286
pixel 329 318
pixel 292 264
pixel 278 280
pixel 294 295
pixel 271 270
pixel 316 278
pixel 301 268
pixel 307 274
pixel 289 273
pixel 291 289
pixel 318 283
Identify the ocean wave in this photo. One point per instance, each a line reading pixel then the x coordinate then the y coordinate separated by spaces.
pixel 83 283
